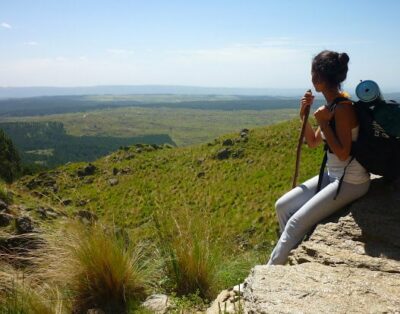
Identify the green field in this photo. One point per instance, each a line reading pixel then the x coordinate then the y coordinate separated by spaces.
pixel 184 126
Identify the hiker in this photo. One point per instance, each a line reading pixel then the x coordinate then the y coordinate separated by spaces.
pixel 344 180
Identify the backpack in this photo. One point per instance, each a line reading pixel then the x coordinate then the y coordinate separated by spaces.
pixel 377 147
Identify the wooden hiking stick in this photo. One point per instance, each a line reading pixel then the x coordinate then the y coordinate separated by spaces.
pixel 298 154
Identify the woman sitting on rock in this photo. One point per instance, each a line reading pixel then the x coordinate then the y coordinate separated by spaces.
pixel 303 207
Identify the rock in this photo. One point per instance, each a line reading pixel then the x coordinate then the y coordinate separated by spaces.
pixel 47 213
pixel 89 170
pixel 238 153
pixel 16 246
pixel 317 288
pixel 157 303
pixel 129 156
pixel 115 171
pixel 82 203
pixel 86 215
pixel 3 206
pixel 228 142
pixel 89 181
pixel 226 302
pixel 201 174
pixel 24 224
pixel 113 181
pixel 5 219
pixel 66 202
pixel 223 154
pixel 350 263
pixel 95 311
pixel 126 170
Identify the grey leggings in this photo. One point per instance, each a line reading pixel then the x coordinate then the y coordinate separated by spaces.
pixel 300 209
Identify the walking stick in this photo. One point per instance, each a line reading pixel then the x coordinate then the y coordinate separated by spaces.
pixel 303 129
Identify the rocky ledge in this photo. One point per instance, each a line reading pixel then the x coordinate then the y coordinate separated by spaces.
pixel 350 263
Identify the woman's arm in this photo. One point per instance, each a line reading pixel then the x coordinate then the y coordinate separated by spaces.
pixel 313 138
pixel 339 143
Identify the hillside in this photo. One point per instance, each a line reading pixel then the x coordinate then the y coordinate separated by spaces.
pixel 206 207
pixel 239 191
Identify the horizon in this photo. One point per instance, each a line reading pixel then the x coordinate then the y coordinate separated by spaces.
pixel 257 45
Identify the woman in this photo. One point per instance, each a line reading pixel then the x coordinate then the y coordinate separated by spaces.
pixel 303 207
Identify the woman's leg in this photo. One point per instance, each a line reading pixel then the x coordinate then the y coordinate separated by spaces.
pixel 291 202
pixel 313 211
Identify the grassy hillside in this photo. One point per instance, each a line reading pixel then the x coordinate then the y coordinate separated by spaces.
pixel 201 217
pixel 238 192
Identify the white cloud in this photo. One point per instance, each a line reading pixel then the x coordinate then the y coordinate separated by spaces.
pixel 31 43
pixel 6 25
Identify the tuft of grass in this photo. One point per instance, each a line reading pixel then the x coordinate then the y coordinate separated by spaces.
pixel 19 294
pixel 191 251
pixel 97 269
pixel 5 195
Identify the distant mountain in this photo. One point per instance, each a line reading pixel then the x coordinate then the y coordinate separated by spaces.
pixel 20 92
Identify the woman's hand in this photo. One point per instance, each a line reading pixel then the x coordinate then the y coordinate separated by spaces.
pixel 306 101
pixel 323 115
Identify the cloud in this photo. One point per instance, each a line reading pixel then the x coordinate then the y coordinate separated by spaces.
pixel 31 43
pixel 6 25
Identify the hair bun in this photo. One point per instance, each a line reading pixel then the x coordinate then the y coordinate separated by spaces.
pixel 343 58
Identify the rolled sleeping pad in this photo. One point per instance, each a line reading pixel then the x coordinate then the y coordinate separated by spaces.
pixel 368 91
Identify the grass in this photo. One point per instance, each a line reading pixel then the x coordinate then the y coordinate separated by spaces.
pixel 19 294
pixel 96 268
pixel 191 251
pixel 211 228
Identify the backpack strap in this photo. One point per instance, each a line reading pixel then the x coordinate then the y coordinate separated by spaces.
pixel 332 123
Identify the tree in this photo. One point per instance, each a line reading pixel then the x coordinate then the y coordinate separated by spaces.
pixel 10 162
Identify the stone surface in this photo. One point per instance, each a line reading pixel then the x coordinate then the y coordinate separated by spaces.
pixel 157 303
pixel 316 288
pixel 350 263
pixel 24 224
pixel 5 219
pixel 3 205
pixel 113 181
pixel 226 302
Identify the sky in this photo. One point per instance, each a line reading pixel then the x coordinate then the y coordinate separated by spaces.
pixel 212 43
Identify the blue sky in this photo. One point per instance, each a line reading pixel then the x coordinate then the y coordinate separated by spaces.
pixel 267 44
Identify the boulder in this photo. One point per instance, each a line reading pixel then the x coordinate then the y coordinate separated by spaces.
pixel 223 154
pixel 24 224
pixel 157 303
pixel 350 263
pixel 317 288
pixel 3 206
pixel 5 219
pixel 228 142
pixel 89 170
pixel 86 215
pixel 113 181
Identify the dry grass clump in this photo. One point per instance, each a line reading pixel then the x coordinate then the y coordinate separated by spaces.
pixel 96 268
pixel 20 294
pixel 191 251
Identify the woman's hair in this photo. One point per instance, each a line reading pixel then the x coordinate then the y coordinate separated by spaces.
pixel 331 67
